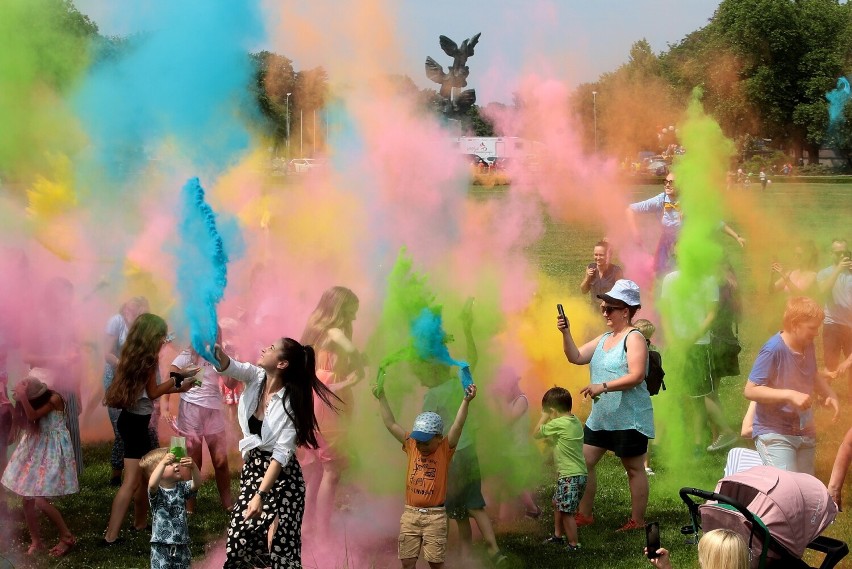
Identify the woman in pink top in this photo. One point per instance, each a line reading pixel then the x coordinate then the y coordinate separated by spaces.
pixel 339 367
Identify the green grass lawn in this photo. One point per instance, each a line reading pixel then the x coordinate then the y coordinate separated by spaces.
pixel 815 211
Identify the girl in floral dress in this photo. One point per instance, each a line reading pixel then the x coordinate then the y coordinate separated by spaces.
pixel 43 465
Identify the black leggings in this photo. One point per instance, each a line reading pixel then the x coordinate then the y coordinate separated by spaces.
pixel 247 539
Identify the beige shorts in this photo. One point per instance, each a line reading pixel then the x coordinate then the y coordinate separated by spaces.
pixel 426 529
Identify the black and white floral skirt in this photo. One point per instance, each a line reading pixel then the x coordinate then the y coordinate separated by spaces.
pixel 247 545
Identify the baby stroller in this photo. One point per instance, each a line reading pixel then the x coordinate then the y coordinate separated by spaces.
pixel 779 514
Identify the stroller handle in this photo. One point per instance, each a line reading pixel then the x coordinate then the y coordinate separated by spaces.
pixel 685 494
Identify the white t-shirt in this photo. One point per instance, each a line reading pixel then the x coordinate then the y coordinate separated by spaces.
pixel 117 327
pixel 208 394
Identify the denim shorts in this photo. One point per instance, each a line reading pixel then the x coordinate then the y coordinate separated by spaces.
pixel 792 453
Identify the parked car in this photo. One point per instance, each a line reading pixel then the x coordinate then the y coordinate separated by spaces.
pixel 302 165
pixel 476 161
pixel 501 163
pixel 657 166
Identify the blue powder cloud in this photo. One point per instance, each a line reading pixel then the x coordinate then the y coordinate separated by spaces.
pixel 202 265
pixel 184 82
pixel 837 100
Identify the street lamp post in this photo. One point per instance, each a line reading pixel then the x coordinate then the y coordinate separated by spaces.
pixel 288 125
pixel 595 113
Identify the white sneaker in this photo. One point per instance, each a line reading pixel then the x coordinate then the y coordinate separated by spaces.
pixel 723 441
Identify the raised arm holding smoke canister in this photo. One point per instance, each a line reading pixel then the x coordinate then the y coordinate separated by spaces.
pixel 424 523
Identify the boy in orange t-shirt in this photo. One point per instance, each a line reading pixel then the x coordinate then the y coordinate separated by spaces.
pixel 424 523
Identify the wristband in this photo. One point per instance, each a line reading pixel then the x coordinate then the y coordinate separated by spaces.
pixel 178 378
pixel 605 388
pixel 264 494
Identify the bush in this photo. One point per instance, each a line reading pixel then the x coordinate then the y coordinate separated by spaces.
pixel 816 170
pixel 776 158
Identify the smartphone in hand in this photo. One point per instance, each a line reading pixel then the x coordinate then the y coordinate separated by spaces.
pixel 560 310
pixel 652 539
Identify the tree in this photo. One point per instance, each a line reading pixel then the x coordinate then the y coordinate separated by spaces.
pixel 274 77
pixel 791 55
pixel 476 123
pixel 632 104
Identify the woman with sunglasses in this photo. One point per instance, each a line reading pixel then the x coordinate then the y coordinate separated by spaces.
pixel 668 203
pixel 622 419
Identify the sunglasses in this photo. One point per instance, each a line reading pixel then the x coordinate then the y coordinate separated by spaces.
pixel 170 337
pixel 668 182
pixel 607 309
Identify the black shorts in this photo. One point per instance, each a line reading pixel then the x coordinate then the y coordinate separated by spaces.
pixel 133 429
pixel 464 484
pixel 625 444
pixel 698 371
pixel 5 425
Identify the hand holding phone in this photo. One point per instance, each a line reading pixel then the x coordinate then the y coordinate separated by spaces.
pixel 562 321
pixel 652 539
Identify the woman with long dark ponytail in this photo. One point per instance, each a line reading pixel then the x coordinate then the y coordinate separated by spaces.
pixel 276 415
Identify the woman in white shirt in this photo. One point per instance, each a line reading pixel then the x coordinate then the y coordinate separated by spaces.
pixel 276 415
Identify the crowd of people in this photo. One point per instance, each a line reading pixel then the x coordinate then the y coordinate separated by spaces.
pixel 294 407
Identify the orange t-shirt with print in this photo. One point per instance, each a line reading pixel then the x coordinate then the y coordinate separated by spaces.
pixel 426 481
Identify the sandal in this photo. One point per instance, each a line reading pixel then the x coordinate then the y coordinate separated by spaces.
pixel 65 545
pixel 535 514
pixel 34 547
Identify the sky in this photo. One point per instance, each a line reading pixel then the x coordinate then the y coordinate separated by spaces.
pixel 582 39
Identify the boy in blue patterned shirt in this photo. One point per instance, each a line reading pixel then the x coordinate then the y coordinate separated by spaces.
pixel 168 493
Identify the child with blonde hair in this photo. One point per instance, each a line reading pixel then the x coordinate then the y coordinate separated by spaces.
pixel 647 329
pixel 167 494
pixel 717 549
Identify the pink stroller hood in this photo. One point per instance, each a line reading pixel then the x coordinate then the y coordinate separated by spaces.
pixel 795 507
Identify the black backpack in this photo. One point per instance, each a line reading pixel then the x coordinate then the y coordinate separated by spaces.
pixel 654 378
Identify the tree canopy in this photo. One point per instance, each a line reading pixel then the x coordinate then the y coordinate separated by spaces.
pixel 765 67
